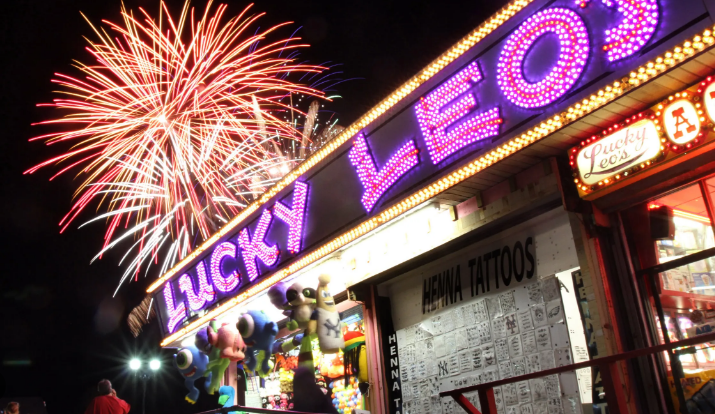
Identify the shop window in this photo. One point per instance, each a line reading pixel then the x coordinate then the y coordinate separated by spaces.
pixel 693 233
pixel 275 390
pixel 684 306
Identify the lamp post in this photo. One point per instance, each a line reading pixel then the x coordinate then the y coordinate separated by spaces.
pixel 144 375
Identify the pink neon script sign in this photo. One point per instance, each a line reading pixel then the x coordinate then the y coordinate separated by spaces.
pixel 374 182
pixel 438 112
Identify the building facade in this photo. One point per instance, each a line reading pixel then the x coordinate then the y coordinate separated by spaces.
pixel 509 209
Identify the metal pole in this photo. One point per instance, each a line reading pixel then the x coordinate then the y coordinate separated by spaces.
pixel 145 378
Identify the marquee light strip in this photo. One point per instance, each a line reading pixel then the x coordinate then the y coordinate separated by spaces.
pixel 640 75
pixel 499 18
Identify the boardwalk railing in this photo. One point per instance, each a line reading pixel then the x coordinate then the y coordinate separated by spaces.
pixel 615 396
pixel 242 409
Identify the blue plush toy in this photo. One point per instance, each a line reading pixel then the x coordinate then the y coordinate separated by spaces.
pixel 192 365
pixel 259 334
pixel 227 397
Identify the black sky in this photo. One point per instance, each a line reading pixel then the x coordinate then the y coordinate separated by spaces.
pixel 57 310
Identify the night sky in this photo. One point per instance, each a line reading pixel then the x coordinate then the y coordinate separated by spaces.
pixel 61 329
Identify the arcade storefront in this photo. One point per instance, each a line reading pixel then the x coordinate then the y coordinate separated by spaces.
pixel 538 195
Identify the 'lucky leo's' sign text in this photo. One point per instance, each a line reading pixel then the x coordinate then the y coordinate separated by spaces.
pixel 544 58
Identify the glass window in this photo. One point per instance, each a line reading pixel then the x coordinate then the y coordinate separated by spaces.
pixel 693 233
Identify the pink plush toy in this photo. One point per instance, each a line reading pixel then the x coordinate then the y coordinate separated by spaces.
pixel 228 341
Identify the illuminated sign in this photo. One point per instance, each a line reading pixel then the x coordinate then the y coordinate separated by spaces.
pixel 709 100
pixel 536 60
pixel 681 121
pixel 618 152
pixel 658 134
pixel 200 291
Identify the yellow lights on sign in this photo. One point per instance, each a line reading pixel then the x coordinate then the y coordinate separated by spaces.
pixel 681 121
pixel 535 133
pixel 618 152
pixel 675 125
pixel 709 99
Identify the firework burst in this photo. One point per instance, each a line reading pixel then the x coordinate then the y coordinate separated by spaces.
pixel 173 128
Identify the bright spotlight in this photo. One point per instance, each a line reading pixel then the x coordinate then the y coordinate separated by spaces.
pixel 154 364
pixel 135 364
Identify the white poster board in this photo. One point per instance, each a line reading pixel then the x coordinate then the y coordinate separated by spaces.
pixel 490 311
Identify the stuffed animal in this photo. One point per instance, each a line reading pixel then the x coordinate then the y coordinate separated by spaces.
pixel 277 295
pixel 227 397
pixel 301 302
pixel 328 326
pixel 201 340
pixel 192 365
pixel 259 334
pixel 228 341
pixel 287 345
pixel 216 365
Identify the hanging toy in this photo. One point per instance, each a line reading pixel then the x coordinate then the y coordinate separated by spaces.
pixel 277 295
pixel 354 356
pixel 228 341
pixel 192 365
pixel 298 305
pixel 216 365
pixel 327 317
pixel 287 345
pixel 301 302
pixel 259 334
pixel 227 397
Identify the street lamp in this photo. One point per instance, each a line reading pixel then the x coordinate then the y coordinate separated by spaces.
pixel 135 364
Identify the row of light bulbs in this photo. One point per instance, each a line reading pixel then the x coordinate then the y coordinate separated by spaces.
pixel 574 112
pixel 448 57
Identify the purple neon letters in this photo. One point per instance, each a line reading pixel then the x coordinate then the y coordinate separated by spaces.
pixel 206 293
pixel 252 249
pixel 635 30
pixel 377 182
pixel 573 54
pixel 224 283
pixel 438 112
pixel 449 118
pixel 177 313
pixel 255 249
pixel 294 216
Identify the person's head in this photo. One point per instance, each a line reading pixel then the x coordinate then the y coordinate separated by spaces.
pixel 104 387
pixel 12 408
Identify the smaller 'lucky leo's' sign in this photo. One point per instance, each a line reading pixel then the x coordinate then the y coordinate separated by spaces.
pixel 673 126
pixel 618 152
